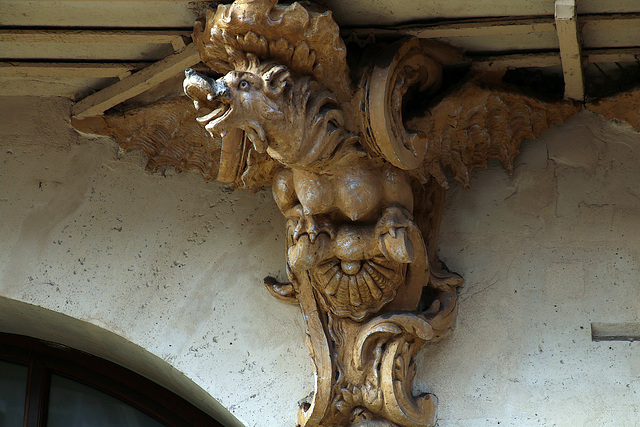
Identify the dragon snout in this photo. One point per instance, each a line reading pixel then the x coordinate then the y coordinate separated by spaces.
pixel 202 89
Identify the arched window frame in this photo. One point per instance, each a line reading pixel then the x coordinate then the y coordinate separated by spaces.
pixel 44 358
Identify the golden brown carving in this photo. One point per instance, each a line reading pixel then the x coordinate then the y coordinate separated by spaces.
pixel 403 65
pixel 624 107
pixel 351 170
pixel 168 133
pixel 477 122
pixel 361 186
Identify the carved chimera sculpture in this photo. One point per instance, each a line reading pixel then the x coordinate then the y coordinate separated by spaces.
pixel 349 180
pixel 361 186
pixel 353 247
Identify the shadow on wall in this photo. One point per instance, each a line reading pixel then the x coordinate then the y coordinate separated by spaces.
pixel 20 318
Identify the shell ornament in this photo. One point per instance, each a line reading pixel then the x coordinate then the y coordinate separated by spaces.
pixel 355 289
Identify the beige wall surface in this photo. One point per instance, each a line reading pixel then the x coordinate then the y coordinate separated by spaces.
pixel 162 273
pixel 171 263
pixel 544 254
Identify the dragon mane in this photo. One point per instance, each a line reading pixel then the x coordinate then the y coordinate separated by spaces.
pixel 305 41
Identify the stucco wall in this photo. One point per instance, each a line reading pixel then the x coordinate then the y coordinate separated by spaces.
pixel 544 253
pixel 163 274
pixel 169 262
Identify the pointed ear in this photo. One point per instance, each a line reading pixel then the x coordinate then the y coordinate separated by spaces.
pixel 276 79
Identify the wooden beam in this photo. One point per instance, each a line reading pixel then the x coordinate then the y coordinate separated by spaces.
pixel 569 42
pixel 480 63
pixel 456 28
pixel 463 28
pixel 550 59
pixel 483 28
pixel 137 83
pixel 91 36
pixel 502 62
pixel 179 43
pixel 612 55
pixel 614 21
pixel 69 70
pixel 498 26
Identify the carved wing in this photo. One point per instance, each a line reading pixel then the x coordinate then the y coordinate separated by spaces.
pixel 624 106
pixel 168 133
pixel 464 130
pixel 476 123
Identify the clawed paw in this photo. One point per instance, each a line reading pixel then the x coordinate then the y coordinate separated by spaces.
pixel 392 230
pixel 393 218
pixel 313 226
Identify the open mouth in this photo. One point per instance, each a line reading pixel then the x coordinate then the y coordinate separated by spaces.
pixel 212 119
pixel 233 148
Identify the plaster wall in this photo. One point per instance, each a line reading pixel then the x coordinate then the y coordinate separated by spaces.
pixel 544 253
pixel 171 264
pixel 162 273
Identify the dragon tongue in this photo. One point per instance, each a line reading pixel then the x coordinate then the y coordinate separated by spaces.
pixel 212 115
pixel 230 156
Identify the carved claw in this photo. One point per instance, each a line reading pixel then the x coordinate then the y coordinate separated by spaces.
pixel 313 226
pixel 393 237
pixel 304 255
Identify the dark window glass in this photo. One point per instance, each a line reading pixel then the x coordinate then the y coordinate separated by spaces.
pixel 74 404
pixel 13 392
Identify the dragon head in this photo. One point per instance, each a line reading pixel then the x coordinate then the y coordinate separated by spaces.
pixel 294 120
pixel 244 100
pixel 285 75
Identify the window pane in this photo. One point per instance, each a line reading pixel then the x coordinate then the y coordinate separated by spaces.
pixel 74 404
pixel 13 391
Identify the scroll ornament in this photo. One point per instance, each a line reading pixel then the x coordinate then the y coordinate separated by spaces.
pixel 355 161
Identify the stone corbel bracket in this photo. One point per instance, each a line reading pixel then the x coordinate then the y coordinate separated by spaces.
pixel 357 260
pixel 361 187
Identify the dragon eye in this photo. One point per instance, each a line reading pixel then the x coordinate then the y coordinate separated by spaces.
pixel 243 84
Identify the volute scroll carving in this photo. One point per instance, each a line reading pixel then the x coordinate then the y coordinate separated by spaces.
pixel 402 65
pixel 360 183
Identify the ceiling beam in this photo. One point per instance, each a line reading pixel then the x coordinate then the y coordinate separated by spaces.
pixel 550 59
pixel 137 83
pixel 69 70
pixel 569 42
pixel 483 28
pixel 613 21
pixel 516 60
pixel 462 28
pixel 92 36
pixel 612 55
pixel 480 63
pixel 498 26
